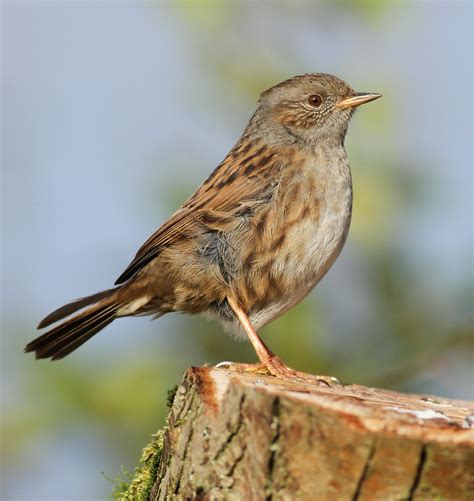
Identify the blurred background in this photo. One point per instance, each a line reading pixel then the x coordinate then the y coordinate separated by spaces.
pixel 114 112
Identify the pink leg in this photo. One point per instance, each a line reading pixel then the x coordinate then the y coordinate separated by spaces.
pixel 268 359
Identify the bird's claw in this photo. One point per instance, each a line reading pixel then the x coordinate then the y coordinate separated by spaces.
pixel 274 366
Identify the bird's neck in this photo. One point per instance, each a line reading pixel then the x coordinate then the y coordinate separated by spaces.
pixel 260 129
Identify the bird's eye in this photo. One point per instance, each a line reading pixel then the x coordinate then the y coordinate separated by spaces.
pixel 315 100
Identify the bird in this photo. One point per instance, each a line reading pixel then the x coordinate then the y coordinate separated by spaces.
pixel 254 239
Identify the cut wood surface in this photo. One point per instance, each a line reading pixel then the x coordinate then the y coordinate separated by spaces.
pixel 243 436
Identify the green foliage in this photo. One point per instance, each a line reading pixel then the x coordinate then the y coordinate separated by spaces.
pixel 370 9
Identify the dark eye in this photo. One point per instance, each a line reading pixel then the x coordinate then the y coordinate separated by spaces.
pixel 315 100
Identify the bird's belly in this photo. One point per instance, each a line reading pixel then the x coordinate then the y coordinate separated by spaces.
pixel 311 247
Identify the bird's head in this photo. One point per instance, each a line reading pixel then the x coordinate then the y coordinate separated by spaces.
pixel 311 107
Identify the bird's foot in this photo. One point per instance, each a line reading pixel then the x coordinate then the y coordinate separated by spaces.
pixel 329 381
pixel 276 367
pixel 253 368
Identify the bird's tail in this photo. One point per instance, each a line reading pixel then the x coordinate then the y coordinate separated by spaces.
pixel 70 334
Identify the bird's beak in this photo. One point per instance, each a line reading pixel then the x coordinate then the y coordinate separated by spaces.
pixel 356 100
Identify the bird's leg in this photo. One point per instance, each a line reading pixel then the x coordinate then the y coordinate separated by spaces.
pixel 268 360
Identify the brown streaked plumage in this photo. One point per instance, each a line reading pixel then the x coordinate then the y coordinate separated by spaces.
pixel 254 239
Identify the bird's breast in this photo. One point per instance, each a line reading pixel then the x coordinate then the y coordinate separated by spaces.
pixel 317 213
pixel 311 214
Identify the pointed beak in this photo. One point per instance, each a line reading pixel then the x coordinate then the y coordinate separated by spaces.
pixel 356 100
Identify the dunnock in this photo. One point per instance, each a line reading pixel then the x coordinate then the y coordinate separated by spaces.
pixel 254 239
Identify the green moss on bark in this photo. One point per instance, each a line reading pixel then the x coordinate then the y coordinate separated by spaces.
pixel 137 486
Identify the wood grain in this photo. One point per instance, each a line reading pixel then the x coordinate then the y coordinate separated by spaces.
pixel 234 435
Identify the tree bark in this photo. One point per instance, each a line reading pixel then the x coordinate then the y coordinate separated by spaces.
pixel 235 435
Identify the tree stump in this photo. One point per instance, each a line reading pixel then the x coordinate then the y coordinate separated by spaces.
pixel 236 435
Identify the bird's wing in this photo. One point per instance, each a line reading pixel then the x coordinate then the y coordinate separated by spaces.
pixel 246 172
